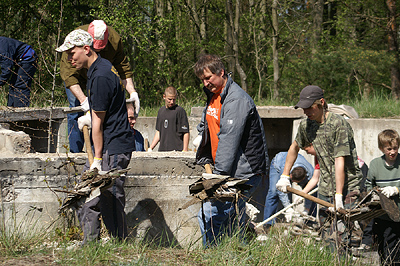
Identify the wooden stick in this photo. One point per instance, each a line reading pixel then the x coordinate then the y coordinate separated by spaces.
pixel 309 197
pixel 208 168
pixel 283 210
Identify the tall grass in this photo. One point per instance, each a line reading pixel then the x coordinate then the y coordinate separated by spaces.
pixel 20 236
pixel 280 248
pixel 377 106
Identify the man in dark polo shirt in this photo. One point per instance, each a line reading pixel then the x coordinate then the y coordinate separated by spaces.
pixel 112 138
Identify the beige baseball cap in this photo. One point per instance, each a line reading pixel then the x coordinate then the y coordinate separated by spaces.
pixel 77 37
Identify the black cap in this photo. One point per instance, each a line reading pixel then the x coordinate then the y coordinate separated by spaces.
pixel 308 96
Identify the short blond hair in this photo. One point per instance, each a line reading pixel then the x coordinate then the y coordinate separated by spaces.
pixel 171 91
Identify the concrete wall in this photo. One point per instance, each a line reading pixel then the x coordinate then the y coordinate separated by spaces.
pixel 156 186
pixel 365 135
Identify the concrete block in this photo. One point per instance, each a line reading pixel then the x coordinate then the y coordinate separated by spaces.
pixel 14 142
pixel 156 186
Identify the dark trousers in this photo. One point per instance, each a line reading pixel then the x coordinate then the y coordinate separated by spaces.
pixel 110 204
pixel 19 93
pixel 388 237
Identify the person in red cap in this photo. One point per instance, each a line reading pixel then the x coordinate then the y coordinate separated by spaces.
pixel 333 141
pixel 106 42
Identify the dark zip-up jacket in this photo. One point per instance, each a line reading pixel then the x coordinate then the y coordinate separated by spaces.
pixel 242 150
pixel 11 51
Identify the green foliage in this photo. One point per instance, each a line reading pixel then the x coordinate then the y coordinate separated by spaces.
pixel 164 38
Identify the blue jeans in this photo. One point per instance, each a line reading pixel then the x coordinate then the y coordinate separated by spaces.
pixel 75 136
pixel 274 195
pixel 20 82
pixel 218 219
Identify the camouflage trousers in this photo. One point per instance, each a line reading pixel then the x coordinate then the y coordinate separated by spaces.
pixel 337 232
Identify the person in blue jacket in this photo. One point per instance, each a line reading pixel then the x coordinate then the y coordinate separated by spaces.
pixel 233 140
pixel 301 172
pixel 18 62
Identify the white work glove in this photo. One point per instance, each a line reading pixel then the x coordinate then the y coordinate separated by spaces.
pixel 282 183
pixel 197 141
pixel 298 200
pixel 85 105
pixel 96 164
pixel 85 120
pixel 390 191
pixel 338 201
pixel 289 214
pixel 149 149
pixel 135 98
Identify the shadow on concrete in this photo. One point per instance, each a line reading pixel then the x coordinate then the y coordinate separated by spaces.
pixel 146 221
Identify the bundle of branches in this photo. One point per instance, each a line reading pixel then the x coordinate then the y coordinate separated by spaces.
pixel 90 186
pixel 375 204
pixel 221 187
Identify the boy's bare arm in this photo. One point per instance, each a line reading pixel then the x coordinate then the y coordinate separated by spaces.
pixel 97 133
pixel 156 139
pixel 291 158
pixel 313 181
pixel 339 174
pixel 186 137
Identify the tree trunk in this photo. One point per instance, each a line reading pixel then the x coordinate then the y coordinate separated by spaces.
pixel 258 36
pixel 234 21
pixel 393 48
pixel 159 4
pixel 275 59
pixel 228 49
pixel 200 20
pixel 318 13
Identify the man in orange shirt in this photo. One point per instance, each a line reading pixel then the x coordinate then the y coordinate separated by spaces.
pixel 233 140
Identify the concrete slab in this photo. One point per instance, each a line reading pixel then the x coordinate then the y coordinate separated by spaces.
pixel 156 186
pixel 14 142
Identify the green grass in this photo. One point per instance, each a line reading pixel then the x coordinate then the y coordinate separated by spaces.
pixel 279 249
pixel 376 106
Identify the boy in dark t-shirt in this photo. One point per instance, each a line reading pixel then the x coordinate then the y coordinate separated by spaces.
pixel 112 138
pixel 172 126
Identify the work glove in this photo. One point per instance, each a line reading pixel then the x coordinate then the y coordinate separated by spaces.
pixel 135 98
pixel 96 164
pixel 85 120
pixel 282 183
pixel 298 200
pixel 197 141
pixel 85 105
pixel 390 191
pixel 338 202
pixel 149 149
pixel 289 215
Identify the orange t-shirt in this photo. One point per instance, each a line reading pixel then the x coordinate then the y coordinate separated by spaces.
pixel 213 118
